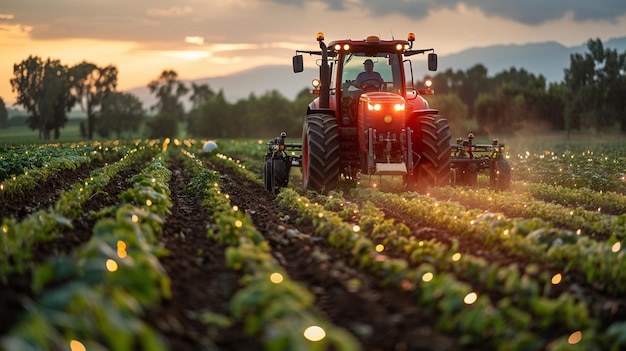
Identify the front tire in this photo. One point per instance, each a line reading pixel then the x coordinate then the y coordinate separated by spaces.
pixel 431 140
pixel 320 153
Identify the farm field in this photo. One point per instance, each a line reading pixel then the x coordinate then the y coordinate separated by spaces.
pixel 155 245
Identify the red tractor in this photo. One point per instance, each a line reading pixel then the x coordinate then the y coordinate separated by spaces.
pixel 367 120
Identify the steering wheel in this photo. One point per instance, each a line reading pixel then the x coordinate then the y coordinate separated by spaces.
pixel 371 85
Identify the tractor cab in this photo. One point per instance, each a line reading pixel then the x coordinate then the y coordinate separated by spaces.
pixel 353 80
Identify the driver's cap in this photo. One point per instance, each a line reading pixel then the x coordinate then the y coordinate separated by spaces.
pixel 368 61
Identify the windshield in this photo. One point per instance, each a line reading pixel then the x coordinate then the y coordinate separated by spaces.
pixel 386 64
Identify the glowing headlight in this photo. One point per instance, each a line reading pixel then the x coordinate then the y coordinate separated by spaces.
pixel 374 107
pixel 399 47
pixel 398 107
pixel 337 47
pixel 316 83
pixel 346 47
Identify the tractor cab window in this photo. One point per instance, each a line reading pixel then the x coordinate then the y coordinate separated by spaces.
pixel 380 72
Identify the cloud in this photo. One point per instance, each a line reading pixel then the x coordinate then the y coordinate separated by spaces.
pixel 530 12
pixel 194 40
pixel 171 12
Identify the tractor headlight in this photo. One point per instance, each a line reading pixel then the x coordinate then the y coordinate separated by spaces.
pixel 374 107
pixel 398 107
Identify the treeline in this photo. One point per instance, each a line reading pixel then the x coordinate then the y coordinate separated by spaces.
pixel 591 97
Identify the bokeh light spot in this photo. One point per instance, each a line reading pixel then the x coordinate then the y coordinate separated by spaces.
pixel 276 278
pixel 428 276
pixel 76 345
pixel 111 265
pixel 314 333
pixel 121 249
pixel 575 337
pixel 616 247
pixel 470 298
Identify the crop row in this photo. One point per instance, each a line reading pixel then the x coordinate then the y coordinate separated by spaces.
pixel 93 298
pixel 600 263
pixel 19 238
pixel 577 219
pixel 608 202
pixel 599 170
pixel 28 178
pixel 18 160
pixel 269 303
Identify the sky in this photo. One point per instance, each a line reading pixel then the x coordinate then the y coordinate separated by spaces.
pixel 209 38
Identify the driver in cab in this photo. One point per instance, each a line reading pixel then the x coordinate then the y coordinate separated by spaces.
pixel 368 80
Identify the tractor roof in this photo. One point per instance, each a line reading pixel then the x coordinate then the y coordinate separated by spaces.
pixel 373 44
pixel 370 43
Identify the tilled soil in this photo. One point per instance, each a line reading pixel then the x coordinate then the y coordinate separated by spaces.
pixel 382 318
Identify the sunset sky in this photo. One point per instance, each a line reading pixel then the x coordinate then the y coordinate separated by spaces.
pixel 210 38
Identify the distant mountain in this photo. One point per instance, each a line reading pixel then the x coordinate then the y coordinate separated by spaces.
pixel 240 85
pixel 548 59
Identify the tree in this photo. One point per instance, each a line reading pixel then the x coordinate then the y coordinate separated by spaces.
pixel 487 112
pixel 200 94
pixel 120 112
pixel 214 118
pixel 168 91
pixel 455 111
pixel 4 114
pixel 596 85
pixel 90 84
pixel 43 90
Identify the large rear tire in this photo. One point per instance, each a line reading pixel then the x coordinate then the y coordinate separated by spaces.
pixel 431 139
pixel 320 153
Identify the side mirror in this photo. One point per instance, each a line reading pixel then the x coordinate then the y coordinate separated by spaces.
pixel 432 62
pixel 298 64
